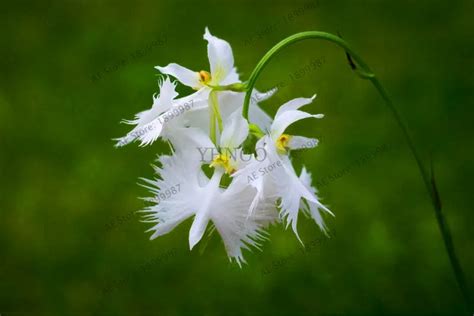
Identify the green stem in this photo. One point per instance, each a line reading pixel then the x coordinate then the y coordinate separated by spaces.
pixel 236 87
pixel 290 40
pixel 363 70
pixel 212 126
pixel 215 109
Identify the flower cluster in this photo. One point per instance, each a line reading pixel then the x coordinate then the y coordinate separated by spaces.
pixel 231 175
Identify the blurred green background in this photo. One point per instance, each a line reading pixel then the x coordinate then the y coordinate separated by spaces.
pixel 70 242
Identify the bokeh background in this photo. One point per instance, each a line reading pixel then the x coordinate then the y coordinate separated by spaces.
pixel 70 240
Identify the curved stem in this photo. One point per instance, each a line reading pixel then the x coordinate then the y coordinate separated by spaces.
pixel 363 70
pixel 290 40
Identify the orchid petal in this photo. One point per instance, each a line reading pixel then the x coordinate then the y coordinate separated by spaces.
pixel 221 59
pixel 236 130
pixel 301 142
pixel 286 119
pixel 294 104
pixel 184 75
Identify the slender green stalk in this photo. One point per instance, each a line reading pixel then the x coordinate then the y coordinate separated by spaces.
pixel 236 87
pixel 215 108
pixel 288 41
pixel 212 125
pixel 363 70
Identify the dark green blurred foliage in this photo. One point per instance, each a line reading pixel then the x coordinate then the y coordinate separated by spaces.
pixel 70 242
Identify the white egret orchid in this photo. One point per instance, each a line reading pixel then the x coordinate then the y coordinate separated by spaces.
pixel 221 63
pixel 208 176
pixel 166 114
pixel 222 73
pixel 196 194
pixel 146 128
pixel 275 176
pixel 193 110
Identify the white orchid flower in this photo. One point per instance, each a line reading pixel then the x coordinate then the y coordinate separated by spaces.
pixel 165 114
pixel 231 102
pixel 230 155
pixel 221 63
pixel 144 121
pixel 168 113
pixel 272 173
pixel 183 190
pixel 286 115
pixel 208 176
pixel 222 72
pixel 203 197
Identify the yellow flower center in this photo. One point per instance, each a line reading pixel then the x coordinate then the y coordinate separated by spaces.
pixel 204 77
pixel 224 162
pixel 282 143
